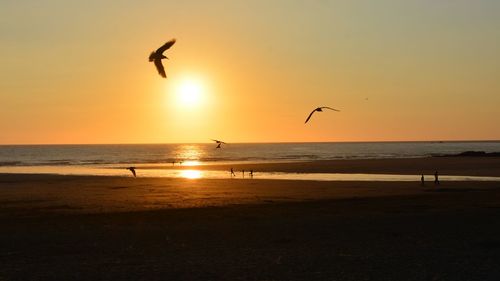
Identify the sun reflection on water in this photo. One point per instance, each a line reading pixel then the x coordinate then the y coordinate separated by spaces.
pixel 189 154
pixel 191 174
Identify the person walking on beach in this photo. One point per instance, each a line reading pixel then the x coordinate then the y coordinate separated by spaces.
pixel 243 172
pixel 251 174
pixel 422 180
pixel 436 178
pixel 232 173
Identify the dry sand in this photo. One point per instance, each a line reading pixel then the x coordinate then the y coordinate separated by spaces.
pixel 112 228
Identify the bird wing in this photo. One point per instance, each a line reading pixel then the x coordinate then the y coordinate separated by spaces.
pixel 160 68
pixel 309 117
pixel 329 108
pixel 152 56
pixel 218 141
pixel 132 170
pixel 165 46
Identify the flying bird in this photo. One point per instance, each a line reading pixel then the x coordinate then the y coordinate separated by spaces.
pixel 132 169
pixel 157 56
pixel 218 142
pixel 319 109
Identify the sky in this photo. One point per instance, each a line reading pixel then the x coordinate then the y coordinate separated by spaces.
pixel 249 71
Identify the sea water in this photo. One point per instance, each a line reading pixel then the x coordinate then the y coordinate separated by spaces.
pixel 63 155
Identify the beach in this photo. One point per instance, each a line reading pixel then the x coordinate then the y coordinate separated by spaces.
pixel 250 140
pixel 110 228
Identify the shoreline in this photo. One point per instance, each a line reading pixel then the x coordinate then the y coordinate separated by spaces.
pixel 452 166
pixel 466 166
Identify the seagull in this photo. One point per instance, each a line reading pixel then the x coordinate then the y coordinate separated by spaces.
pixel 157 56
pixel 132 169
pixel 219 143
pixel 319 109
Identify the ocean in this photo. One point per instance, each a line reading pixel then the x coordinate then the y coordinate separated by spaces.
pixel 131 154
pixel 111 160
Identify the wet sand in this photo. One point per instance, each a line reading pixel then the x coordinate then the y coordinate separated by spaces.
pixel 464 166
pixel 118 228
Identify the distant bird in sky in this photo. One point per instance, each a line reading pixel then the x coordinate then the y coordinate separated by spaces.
pixel 157 56
pixel 132 169
pixel 219 143
pixel 319 109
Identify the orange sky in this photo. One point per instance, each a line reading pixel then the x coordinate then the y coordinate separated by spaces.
pixel 77 72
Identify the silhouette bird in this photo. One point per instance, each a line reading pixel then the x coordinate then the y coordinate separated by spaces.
pixel 157 56
pixel 132 169
pixel 218 142
pixel 319 109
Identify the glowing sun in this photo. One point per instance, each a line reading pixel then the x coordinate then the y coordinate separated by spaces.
pixel 190 93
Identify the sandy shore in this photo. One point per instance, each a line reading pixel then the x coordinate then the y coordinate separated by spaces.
pixel 122 228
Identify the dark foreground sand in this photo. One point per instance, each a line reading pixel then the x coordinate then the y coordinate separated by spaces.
pixel 111 228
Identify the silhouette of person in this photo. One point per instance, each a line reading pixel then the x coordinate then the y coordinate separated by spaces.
pixel 251 174
pixel 436 178
pixel 243 172
pixel 232 173
pixel 422 180
pixel 173 163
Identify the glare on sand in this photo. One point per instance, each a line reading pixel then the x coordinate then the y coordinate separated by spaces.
pixel 191 174
pixel 191 163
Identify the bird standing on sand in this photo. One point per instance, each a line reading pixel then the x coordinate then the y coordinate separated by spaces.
pixel 219 143
pixel 132 169
pixel 157 56
pixel 319 109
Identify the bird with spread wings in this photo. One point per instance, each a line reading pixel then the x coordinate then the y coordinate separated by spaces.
pixel 132 170
pixel 218 142
pixel 157 56
pixel 319 109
